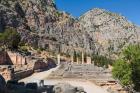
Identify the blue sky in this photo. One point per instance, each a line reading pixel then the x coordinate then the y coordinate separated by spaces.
pixel 128 8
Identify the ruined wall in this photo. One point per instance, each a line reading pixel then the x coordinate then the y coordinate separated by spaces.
pixel 16 58
pixel 20 67
pixel 23 74
pixel 10 63
pixel 39 65
pixel 10 58
pixel 2 58
pixel 5 59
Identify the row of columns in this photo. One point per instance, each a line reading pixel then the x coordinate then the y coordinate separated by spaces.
pixel 88 59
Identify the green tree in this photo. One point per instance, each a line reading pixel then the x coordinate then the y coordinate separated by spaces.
pixel 101 61
pixel 75 56
pixel 127 68
pixel 123 72
pixel 10 38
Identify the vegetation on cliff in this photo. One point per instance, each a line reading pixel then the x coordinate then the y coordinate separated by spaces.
pixel 10 38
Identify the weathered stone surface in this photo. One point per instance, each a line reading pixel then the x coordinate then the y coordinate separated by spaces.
pixel 110 32
pixel 67 88
pixel 17 66
pixel 41 25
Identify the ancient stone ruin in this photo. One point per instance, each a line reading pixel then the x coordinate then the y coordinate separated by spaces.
pixel 16 66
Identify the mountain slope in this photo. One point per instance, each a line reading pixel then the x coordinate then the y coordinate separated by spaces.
pixel 41 25
pixel 110 32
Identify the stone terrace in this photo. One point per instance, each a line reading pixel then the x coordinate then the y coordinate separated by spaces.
pixel 84 71
pixel 90 72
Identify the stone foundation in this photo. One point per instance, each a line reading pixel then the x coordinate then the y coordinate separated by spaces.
pixel 23 74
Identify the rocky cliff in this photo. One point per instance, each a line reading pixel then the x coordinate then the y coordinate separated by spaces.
pixel 110 32
pixel 40 24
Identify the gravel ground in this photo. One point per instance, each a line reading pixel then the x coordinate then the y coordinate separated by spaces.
pixel 88 86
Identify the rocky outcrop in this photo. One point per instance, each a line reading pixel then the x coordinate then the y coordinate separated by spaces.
pixel 67 88
pixel 98 31
pixel 110 32
pixel 25 15
pixel 41 25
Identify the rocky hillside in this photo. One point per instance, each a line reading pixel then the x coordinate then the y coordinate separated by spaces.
pixel 41 25
pixel 110 32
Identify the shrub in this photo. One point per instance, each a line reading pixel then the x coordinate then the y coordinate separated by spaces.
pixel 10 38
pixel 127 68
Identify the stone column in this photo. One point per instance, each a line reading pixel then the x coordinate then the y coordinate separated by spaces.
pixel 88 60
pixel 82 58
pixel 21 60
pixel 93 63
pixel 77 60
pixel 58 59
pixel 72 59
pixel 16 59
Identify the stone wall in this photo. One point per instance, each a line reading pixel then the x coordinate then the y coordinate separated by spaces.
pixel 4 58
pixel 16 58
pixel 23 74
pixel 10 63
pixel 15 66
pixel 11 58
pixel 40 65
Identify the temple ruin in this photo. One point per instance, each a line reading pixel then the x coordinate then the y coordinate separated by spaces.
pixel 16 66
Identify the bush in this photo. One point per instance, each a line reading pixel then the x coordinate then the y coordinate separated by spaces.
pixel 123 72
pixel 10 38
pixel 101 61
pixel 24 48
pixel 127 68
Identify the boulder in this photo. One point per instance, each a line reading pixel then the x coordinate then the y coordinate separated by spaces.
pixel 64 88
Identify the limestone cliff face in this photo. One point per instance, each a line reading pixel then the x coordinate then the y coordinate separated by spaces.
pixel 27 16
pixel 42 25
pixel 110 32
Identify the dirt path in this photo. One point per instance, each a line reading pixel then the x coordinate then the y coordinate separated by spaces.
pixel 39 76
pixel 88 86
